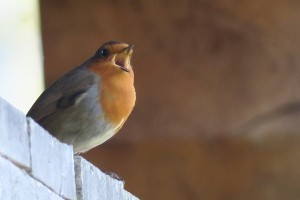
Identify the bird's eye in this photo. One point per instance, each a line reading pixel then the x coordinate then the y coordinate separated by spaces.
pixel 104 53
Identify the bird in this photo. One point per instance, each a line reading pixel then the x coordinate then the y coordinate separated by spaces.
pixel 89 104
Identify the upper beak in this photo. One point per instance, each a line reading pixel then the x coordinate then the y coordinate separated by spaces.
pixel 124 58
pixel 128 49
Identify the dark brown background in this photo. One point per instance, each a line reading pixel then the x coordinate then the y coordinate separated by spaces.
pixel 217 82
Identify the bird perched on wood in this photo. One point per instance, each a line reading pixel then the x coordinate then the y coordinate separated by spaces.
pixel 88 105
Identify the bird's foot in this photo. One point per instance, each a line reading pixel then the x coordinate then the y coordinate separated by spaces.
pixel 115 176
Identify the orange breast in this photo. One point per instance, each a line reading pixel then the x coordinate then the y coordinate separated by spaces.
pixel 117 93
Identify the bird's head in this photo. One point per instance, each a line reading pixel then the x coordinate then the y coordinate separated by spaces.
pixel 114 56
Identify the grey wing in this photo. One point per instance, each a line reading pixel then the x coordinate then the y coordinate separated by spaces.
pixel 64 93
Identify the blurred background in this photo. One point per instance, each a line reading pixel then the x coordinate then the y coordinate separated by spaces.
pixel 218 103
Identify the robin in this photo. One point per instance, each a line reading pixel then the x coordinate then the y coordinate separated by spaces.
pixel 88 105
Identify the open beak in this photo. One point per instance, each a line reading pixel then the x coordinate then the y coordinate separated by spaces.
pixel 123 58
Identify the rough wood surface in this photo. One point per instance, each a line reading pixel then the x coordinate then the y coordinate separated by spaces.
pixel 204 70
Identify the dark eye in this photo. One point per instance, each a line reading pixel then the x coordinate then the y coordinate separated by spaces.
pixel 104 53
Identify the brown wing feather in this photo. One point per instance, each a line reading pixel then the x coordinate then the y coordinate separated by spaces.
pixel 63 93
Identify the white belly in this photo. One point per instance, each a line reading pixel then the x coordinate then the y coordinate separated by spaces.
pixel 105 133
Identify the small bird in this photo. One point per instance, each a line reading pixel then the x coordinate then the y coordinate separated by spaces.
pixel 88 105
